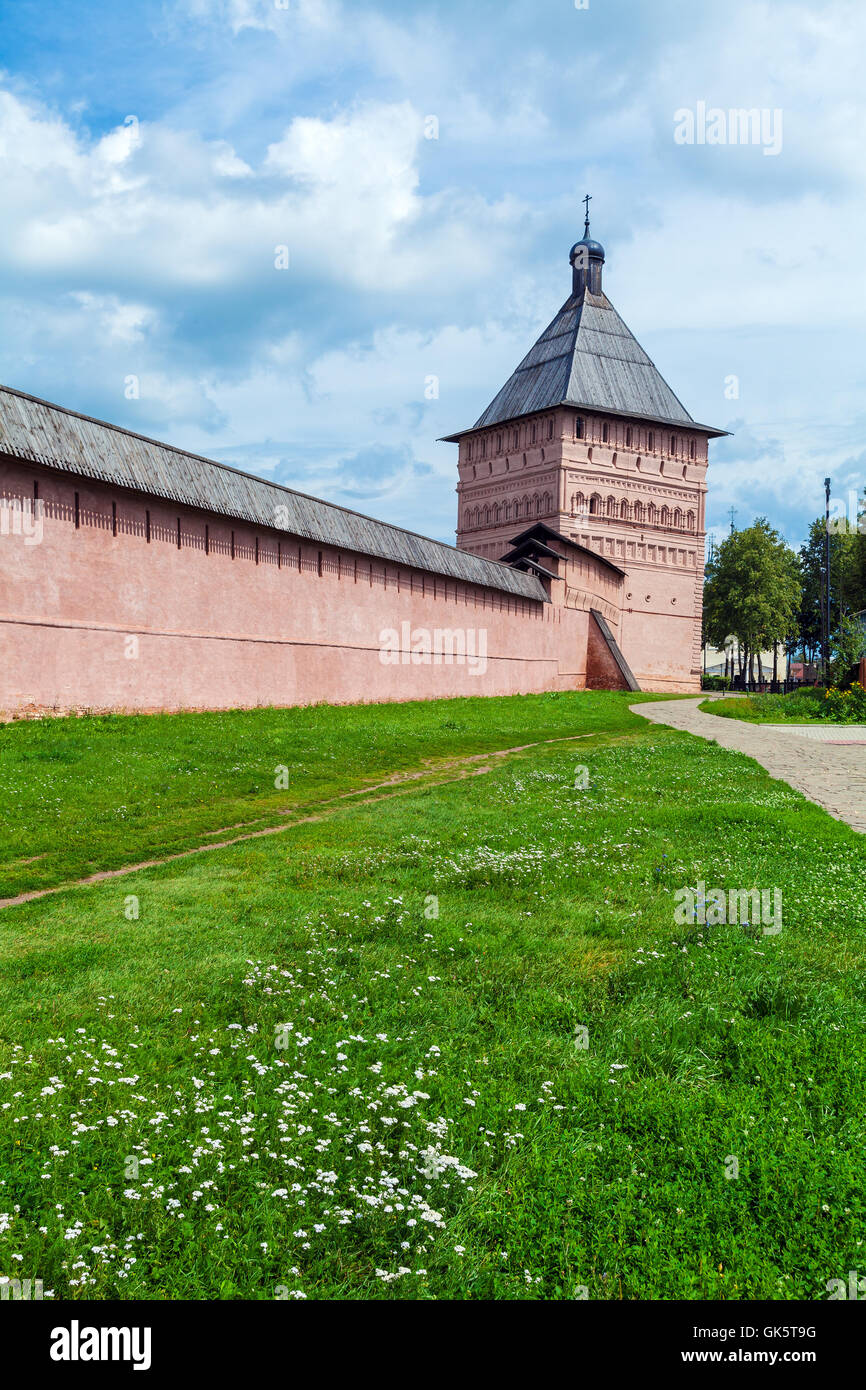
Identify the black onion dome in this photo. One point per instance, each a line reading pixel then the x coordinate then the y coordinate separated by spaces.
pixel 594 249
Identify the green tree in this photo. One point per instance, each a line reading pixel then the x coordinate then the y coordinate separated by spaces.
pixel 753 593
pixel 847 575
pixel 847 646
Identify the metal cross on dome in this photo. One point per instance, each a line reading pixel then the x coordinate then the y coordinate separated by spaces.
pixel 587 200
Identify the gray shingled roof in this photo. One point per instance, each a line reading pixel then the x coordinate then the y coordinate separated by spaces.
pixel 49 434
pixel 588 358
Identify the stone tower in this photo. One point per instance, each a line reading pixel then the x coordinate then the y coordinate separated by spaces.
pixel 588 439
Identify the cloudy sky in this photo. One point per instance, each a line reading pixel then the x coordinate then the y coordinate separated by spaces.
pixel 420 166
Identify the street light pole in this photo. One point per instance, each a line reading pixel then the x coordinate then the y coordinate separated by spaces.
pixel 827 581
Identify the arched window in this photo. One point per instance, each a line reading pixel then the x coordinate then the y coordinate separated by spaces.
pixel 466 519
pixel 678 518
pixel 546 504
pixel 477 517
pixel 638 511
pixel 651 512
pixel 594 504
pixel 623 510
pixel 666 516
pixel 691 521
pixel 673 443
pixel 611 506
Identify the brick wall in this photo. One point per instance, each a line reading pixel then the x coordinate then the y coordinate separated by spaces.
pixel 127 602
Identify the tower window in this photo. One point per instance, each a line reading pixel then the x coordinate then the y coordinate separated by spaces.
pixel 499 444
pixel 673 443
pixel 579 427
pixel 605 433
pixel 650 441
pixel 691 448
pixel 628 438
pixel 550 429
pixel 534 433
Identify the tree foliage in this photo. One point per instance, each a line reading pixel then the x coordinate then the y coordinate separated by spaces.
pixel 753 590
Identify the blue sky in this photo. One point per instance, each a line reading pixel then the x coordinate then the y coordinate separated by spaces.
pixel 154 156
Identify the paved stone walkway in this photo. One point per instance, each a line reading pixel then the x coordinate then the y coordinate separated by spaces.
pixel 824 733
pixel 830 773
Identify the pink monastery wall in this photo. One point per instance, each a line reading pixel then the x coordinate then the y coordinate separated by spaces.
pixel 96 616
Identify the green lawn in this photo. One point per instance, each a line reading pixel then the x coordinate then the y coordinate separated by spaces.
pixel 753 710
pixel 85 794
pixel 805 706
pixel 347 1061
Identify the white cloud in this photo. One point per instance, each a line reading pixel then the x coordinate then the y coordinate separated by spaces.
pixel 120 322
pixel 175 209
pixel 134 250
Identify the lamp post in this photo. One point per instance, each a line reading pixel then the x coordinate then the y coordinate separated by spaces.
pixel 826 623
